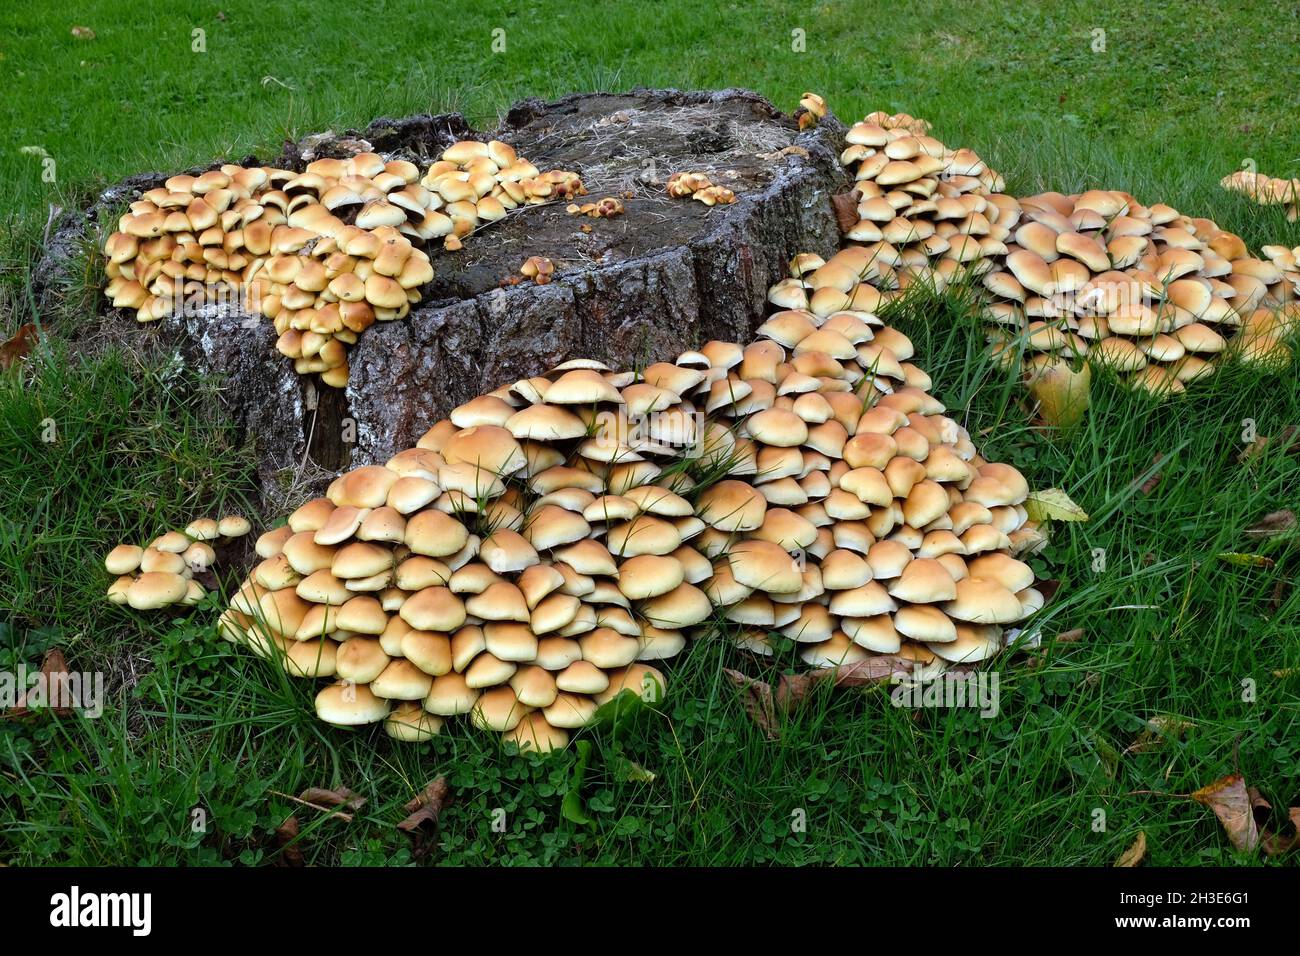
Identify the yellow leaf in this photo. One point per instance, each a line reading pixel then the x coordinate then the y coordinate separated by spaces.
pixel 1134 854
pixel 1245 560
pixel 1053 503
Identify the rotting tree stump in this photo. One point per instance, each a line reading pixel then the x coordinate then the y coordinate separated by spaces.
pixel 666 275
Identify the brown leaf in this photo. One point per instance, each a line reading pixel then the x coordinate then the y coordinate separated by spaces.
pixel 758 701
pixel 1288 438
pixel 1072 636
pixel 83 33
pixel 1275 845
pixel 1134 854
pixel 55 679
pixel 793 688
pixel 763 705
pixel 1273 523
pixel 1232 804
pixel 1149 485
pixel 18 347
pixel 338 797
pixel 318 798
pixel 286 836
pixel 846 210
pixel 425 806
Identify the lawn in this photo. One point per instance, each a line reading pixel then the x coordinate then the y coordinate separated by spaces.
pixel 1176 97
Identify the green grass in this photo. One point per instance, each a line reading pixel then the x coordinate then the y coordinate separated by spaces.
pixel 1170 630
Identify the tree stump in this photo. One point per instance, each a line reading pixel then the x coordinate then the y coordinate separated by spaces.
pixel 666 275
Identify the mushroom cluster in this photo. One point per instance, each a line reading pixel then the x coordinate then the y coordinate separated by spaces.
pixel 536 552
pixel 1266 190
pixel 162 574
pixel 1145 290
pixel 699 187
pixel 605 208
pixel 323 253
pixel 902 536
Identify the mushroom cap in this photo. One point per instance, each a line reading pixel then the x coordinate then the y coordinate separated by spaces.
pixel 360 659
pixel 203 529
pixel 506 551
pixel 1002 568
pixel 875 633
pixel 983 602
pixel 347 705
pixel 364 487
pixel 489 447
pixel 649 575
pixel 123 559
pixel 498 709
pixel 975 642
pixel 270 543
pixel 172 542
pixel 765 566
pixel 534 686
pixel 581 386
pixel 432 609
pixel 642 679
pixel 644 534
pixel 155 589
pixel 313 658
pixel 429 652
pixel 535 732
pixel 361 559
pixel 233 526
pixel 606 648
pixel 450 694
pixel 552 526
pixel 545 423
pixel 572 710
pixel 777 427
pixel 312 515
pixel 410 722
pixel 435 534
pixel 510 641
pixel 732 505
pixel 683 606
pixel 924 581
pixel 500 601
pixel 924 622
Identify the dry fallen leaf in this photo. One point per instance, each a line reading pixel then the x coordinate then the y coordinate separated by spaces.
pixel 1288 438
pixel 1053 504
pixel 1275 844
pixel 762 703
pixel 1134 854
pixel 54 677
pixel 1273 523
pixel 1149 485
pixel 757 700
pixel 846 210
pixel 1231 803
pixel 318 798
pixel 1062 394
pixel 18 347
pixel 425 806
pixel 286 836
